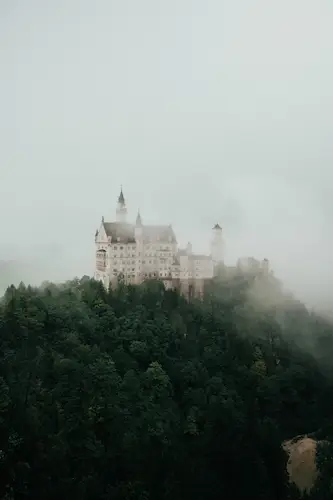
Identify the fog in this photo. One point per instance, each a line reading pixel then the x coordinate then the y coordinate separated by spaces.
pixel 215 111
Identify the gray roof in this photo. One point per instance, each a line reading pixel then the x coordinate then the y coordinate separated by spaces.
pixel 126 233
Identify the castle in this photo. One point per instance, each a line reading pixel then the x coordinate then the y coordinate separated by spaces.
pixel 138 252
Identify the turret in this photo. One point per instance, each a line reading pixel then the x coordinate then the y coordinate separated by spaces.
pixel 217 244
pixel 100 235
pixel 121 212
pixel 265 266
pixel 138 230
pixel 189 248
pixel 138 221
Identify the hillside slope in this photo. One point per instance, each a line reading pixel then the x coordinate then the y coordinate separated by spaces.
pixel 138 394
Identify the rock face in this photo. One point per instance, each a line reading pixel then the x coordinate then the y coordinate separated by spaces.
pixel 301 466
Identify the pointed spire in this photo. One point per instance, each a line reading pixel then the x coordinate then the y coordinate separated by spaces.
pixel 138 219
pixel 217 226
pixel 103 219
pixel 121 198
pixel 121 211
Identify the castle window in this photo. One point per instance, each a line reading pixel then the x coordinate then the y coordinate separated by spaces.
pixel 101 258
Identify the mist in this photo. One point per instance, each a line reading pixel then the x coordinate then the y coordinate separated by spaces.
pixel 205 112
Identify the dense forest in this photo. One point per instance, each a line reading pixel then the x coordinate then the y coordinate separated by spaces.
pixel 137 394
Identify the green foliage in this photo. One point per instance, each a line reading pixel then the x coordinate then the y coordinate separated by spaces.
pixel 135 393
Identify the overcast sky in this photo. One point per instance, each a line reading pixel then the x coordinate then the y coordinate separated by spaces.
pixel 205 111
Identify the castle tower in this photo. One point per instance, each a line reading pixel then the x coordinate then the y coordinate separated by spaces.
pixel 217 245
pixel 138 229
pixel 265 266
pixel 138 234
pixel 121 212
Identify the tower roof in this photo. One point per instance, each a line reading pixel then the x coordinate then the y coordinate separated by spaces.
pixel 217 226
pixel 138 219
pixel 121 198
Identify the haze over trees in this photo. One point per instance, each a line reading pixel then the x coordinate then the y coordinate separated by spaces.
pixel 135 393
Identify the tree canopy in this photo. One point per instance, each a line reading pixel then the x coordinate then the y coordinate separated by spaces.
pixel 138 394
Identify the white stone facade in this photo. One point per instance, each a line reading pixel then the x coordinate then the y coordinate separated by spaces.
pixel 137 252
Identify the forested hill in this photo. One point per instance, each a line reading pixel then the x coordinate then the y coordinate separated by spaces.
pixel 137 394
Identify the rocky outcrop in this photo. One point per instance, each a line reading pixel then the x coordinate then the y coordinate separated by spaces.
pixel 301 466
